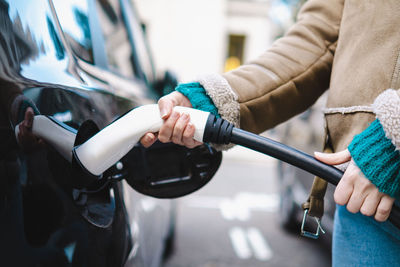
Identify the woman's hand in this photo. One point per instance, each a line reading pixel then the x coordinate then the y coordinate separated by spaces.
pixel 176 127
pixel 355 190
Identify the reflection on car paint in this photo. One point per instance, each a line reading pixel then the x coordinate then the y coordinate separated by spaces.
pixel 45 220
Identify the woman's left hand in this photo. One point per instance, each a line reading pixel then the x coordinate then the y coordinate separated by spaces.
pixel 355 190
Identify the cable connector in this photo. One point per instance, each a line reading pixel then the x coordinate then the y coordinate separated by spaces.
pixel 217 130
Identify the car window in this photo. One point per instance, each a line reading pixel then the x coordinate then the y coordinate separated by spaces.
pixel 138 34
pixel 74 20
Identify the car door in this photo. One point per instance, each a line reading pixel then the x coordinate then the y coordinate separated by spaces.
pixel 56 58
pixel 46 218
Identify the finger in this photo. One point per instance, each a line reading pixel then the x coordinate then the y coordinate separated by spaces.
pixel 384 208
pixel 333 158
pixel 188 135
pixel 179 128
pixel 23 130
pixel 166 130
pixel 343 190
pixel 28 118
pixel 165 104
pixel 362 188
pixel 370 203
pixel 180 99
pixel 356 200
pixel 148 139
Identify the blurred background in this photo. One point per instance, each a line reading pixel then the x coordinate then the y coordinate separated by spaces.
pixel 249 214
pixel 192 37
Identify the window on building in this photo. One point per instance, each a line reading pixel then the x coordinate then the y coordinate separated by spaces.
pixel 235 52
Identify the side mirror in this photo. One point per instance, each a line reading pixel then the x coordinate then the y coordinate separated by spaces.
pixel 169 170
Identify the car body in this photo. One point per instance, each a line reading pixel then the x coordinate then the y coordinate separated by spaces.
pixel 78 61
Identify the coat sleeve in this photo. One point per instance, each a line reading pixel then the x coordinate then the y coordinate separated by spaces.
pixel 376 149
pixel 287 78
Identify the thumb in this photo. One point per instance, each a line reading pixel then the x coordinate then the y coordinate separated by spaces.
pixel 333 158
pixel 165 104
pixel 28 120
pixel 168 102
pixel 148 139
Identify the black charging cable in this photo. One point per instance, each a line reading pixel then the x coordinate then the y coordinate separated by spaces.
pixel 220 131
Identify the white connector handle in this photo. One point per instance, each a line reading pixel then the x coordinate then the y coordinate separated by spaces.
pixel 60 136
pixel 113 142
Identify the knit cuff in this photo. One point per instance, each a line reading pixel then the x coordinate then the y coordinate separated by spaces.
pixel 377 158
pixel 200 99
pixel 197 97
pixel 222 95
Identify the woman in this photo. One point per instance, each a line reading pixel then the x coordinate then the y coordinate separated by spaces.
pixel 352 47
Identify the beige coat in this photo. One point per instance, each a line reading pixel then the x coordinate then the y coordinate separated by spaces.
pixel 351 47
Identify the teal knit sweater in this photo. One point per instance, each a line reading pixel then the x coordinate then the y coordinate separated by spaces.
pixel 371 150
pixel 377 158
pixel 197 97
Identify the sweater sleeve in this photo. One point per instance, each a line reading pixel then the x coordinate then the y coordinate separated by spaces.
pixel 287 78
pixel 377 158
pixel 197 97
pixel 376 149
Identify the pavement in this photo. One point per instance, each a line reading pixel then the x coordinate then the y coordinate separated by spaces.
pixel 234 221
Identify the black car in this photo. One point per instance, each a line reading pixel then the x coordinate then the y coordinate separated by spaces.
pixel 84 63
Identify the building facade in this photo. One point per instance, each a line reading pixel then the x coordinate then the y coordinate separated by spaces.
pixel 195 37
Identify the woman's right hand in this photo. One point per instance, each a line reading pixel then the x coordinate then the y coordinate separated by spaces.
pixel 176 127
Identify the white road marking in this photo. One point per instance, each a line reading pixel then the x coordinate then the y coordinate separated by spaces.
pixel 231 210
pixel 205 202
pixel 259 244
pixel 227 210
pixel 249 243
pixel 239 243
pixel 258 201
pixel 239 207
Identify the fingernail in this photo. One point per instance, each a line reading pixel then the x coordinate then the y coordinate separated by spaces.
pixel 163 113
pixel 316 153
pixel 149 138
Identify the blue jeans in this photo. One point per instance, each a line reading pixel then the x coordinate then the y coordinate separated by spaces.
pixel 359 240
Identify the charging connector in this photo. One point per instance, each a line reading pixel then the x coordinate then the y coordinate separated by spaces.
pixel 217 130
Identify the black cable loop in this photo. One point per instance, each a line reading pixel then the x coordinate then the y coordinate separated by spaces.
pixel 220 131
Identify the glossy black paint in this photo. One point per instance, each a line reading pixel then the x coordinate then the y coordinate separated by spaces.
pixel 65 58
pixel 188 171
pixel 43 216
